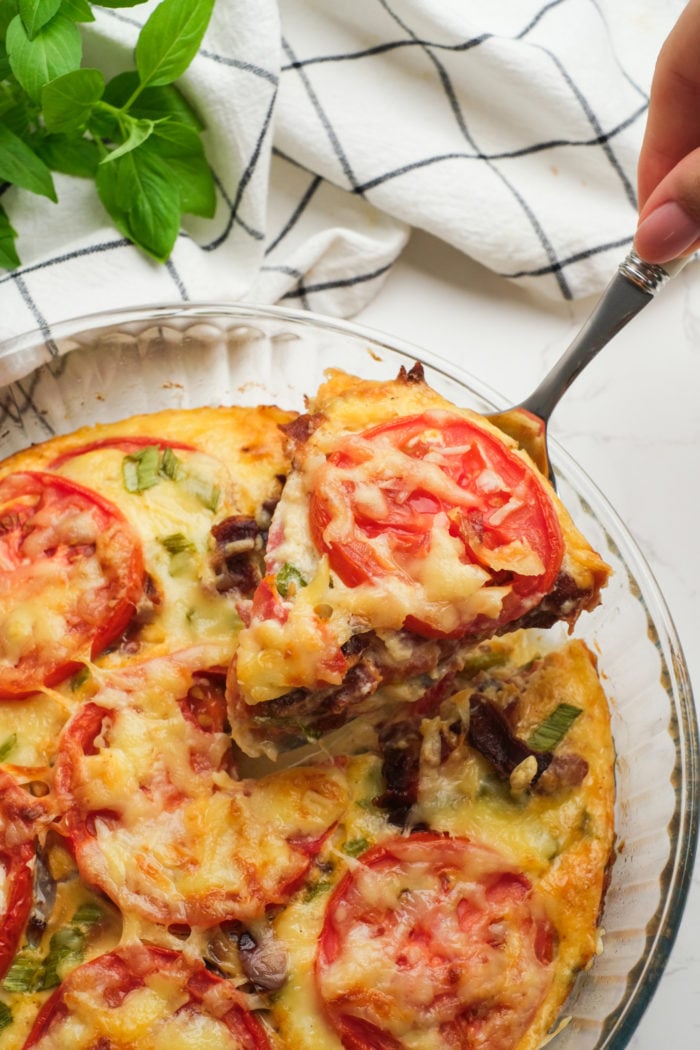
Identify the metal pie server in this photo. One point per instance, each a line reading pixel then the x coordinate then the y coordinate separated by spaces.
pixel 633 286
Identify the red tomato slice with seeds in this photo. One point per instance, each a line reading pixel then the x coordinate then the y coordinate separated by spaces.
pixel 144 996
pixel 430 934
pixel 71 573
pixel 20 815
pixel 381 497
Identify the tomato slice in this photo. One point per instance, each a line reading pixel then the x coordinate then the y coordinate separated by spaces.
pixel 127 443
pixel 150 997
pixel 434 938
pixel 157 820
pixel 383 499
pixel 20 815
pixel 71 573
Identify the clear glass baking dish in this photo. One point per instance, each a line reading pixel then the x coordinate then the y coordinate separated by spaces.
pixel 107 366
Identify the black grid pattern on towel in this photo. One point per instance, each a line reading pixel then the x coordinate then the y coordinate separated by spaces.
pixel 601 139
pixel 302 287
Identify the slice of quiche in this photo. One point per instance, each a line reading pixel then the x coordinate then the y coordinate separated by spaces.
pixel 408 530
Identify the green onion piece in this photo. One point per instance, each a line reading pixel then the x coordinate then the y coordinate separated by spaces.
pixel 287 575
pixel 8 746
pixel 24 974
pixel 65 945
pixel 140 470
pixel 554 728
pixel 88 914
pixel 484 660
pixel 176 543
pixel 170 464
pixel 79 678
pixel 354 847
pixel 208 494
pixel 322 886
pixel 5 1016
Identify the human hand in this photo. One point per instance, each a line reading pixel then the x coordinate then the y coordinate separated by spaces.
pixel 668 175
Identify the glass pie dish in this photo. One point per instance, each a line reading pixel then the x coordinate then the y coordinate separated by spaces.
pixel 105 367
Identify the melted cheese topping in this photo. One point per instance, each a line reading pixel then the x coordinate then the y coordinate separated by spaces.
pixel 156 1015
pixel 561 842
pixel 439 588
pixel 189 844
pixel 234 469
pixel 192 838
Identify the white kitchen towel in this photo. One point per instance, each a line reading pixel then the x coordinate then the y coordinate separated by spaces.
pixel 508 128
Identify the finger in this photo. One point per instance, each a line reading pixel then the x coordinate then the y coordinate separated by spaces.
pixel 673 123
pixel 670 220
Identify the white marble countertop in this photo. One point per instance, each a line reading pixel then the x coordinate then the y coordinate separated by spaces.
pixel 631 420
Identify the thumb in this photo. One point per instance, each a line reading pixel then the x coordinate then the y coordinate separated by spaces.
pixel 669 222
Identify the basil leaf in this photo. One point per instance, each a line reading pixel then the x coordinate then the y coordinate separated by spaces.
pixel 9 258
pixel 15 113
pixel 78 10
pixel 20 165
pixel 70 156
pixel 153 102
pixel 8 10
pixel 142 200
pixel 121 3
pixel 67 101
pixel 552 730
pixel 36 13
pixel 170 39
pixel 182 147
pixel 138 131
pixel 104 122
pixel 55 50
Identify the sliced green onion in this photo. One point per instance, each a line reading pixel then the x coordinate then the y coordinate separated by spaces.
pixel 88 914
pixel 66 945
pixel 322 886
pixel 354 847
pixel 208 494
pixel 24 974
pixel 140 470
pixel 176 543
pixel 552 730
pixel 484 660
pixel 170 464
pixel 5 1016
pixel 7 747
pixel 288 574
pixel 79 678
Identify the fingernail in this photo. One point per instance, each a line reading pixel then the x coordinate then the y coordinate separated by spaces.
pixel 666 233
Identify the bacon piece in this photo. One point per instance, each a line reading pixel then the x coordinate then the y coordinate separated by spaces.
pixel 400 744
pixel 490 733
pixel 237 557
pixel 302 427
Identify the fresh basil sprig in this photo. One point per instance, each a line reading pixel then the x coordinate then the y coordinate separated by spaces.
pixel 135 134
